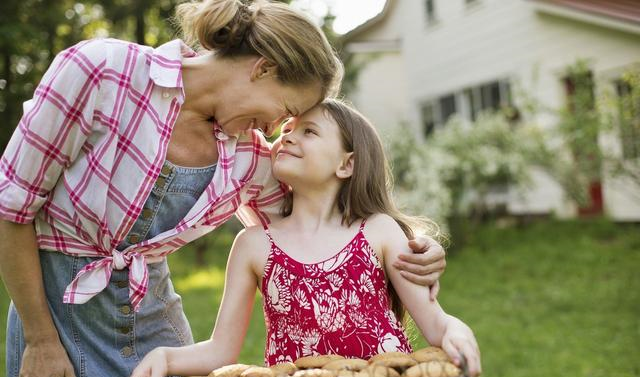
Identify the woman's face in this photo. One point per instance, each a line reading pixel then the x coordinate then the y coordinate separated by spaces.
pixel 262 102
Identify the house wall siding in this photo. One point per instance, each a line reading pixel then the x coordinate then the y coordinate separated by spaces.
pixel 488 40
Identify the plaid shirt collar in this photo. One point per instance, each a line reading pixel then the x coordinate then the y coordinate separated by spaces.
pixel 166 63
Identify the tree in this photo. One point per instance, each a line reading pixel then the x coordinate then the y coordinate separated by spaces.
pixel 32 32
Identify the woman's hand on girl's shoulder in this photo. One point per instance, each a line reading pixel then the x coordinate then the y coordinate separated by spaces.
pixel 426 264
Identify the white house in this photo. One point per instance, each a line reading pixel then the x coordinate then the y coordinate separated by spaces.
pixel 429 59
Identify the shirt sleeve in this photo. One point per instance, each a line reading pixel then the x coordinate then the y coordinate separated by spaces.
pixel 266 204
pixel 54 127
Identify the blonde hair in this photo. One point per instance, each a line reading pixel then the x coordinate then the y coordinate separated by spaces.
pixel 368 190
pixel 283 36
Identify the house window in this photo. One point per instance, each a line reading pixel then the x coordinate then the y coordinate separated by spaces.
pixel 447 107
pixel 492 96
pixel 468 103
pixel 629 113
pixel 428 119
pixel 430 9
pixel 436 113
pixel 473 98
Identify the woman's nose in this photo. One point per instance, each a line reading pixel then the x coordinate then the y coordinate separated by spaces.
pixel 280 119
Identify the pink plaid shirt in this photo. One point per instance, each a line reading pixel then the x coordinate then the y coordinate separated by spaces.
pixel 89 148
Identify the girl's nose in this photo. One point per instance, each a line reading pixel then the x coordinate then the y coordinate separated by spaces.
pixel 287 137
pixel 287 131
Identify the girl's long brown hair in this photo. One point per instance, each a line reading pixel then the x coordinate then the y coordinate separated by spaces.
pixel 368 190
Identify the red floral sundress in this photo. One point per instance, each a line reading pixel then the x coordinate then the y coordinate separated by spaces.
pixel 337 306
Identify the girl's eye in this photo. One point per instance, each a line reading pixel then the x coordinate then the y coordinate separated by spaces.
pixel 309 131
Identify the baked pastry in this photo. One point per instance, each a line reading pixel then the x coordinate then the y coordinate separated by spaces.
pixel 319 361
pixel 398 360
pixel 233 370
pixel 346 364
pixel 347 373
pixel 314 372
pixel 430 354
pixel 284 369
pixel 433 369
pixel 256 371
pixel 376 370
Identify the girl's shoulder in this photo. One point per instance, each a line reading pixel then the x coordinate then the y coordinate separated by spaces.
pixel 383 233
pixel 253 246
pixel 379 223
pixel 376 230
pixel 252 238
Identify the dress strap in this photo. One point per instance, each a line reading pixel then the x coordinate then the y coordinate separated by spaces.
pixel 362 225
pixel 268 233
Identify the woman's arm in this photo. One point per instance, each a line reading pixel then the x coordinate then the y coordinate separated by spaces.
pixel 22 276
pixel 49 137
pixel 231 325
pixel 439 328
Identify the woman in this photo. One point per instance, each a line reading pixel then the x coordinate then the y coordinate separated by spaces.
pixel 125 154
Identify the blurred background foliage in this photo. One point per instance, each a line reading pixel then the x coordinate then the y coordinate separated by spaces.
pixel 32 32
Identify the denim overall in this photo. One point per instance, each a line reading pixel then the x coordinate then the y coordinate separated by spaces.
pixel 104 337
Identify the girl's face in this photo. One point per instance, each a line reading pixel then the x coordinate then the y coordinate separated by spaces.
pixel 262 102
pixel 310 151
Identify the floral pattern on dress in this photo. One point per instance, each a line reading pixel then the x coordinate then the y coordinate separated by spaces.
pixel 337 306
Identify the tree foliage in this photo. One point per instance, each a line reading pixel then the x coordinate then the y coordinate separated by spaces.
pixel 32 32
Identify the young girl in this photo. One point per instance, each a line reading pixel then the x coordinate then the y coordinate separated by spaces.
pixel 325 269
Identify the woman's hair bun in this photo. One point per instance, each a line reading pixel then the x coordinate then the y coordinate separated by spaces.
pixel 215 24
pixel 233 33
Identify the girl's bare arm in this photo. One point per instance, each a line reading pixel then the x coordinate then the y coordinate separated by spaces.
pixel 230 328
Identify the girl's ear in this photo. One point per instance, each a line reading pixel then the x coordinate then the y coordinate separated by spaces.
pixel 345 169
pixel 263 68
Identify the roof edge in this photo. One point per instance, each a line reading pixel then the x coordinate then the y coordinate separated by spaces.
pixel 594 18
pixel 369 23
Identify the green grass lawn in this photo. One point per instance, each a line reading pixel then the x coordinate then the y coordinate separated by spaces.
pixel 550 299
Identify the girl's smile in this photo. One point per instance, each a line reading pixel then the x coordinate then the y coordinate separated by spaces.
pixel 284 152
